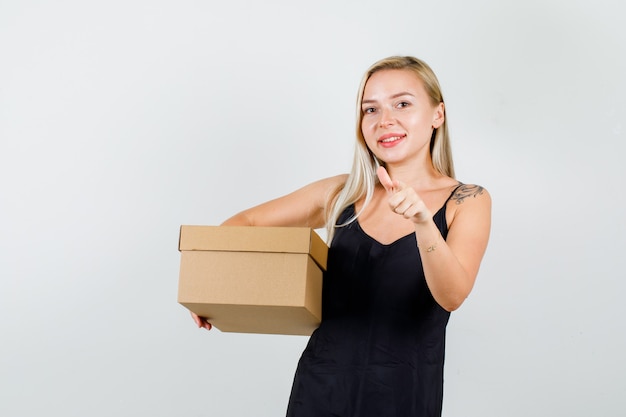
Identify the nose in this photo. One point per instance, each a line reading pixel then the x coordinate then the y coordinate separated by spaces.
pixel 386 118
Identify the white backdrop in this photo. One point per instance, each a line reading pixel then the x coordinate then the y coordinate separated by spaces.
pixel 122 120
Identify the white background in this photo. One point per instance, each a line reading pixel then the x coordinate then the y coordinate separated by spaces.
pixel 122 120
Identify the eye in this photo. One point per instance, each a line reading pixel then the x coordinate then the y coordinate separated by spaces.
pixel 369 110
pixel 403 104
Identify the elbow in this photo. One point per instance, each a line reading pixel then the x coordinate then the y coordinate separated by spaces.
pixel 452 305
pixel 455 296
pixel 452 302
pixel 240 219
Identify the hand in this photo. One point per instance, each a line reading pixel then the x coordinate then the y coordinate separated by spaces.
pixel 201 321
pixel 403 200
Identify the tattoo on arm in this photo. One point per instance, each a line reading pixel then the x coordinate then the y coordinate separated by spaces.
pixel 465 191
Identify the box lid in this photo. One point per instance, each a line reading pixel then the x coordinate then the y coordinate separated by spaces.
pixel 254 239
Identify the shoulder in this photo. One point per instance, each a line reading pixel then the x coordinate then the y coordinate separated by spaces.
pixel 467 193
pixel 319 192
pixel 337 180
pixel 326 186
pixel 471 202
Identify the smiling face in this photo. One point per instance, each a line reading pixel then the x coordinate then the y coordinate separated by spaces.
pixel 398 116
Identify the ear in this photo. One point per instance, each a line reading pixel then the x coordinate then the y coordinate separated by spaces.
pixel 439 115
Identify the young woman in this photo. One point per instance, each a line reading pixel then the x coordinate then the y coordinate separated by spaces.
pixel 406 239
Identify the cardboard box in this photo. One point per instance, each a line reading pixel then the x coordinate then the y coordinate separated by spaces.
pixel 253 279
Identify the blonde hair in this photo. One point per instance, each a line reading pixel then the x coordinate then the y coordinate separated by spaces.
pixel 362 178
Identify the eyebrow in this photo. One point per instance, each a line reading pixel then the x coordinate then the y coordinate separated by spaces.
pixel 403 93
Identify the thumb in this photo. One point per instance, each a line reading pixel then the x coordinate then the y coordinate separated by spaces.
pixel 385 179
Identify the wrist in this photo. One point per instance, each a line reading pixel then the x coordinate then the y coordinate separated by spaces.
pixel 422 218
pixel 428 236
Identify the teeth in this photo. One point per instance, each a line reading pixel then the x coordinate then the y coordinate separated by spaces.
pixel 391 139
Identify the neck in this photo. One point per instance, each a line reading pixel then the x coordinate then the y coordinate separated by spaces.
pixel 418 175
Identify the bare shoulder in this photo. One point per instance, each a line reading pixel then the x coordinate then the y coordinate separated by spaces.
pixel 469 204
pixel 330 182
pixel 466 193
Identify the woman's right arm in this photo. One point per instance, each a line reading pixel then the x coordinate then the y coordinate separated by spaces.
pixel 305 207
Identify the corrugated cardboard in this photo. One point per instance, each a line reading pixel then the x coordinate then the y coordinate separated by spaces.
pixel 253 279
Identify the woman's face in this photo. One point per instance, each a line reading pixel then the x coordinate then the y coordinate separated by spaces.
pixel 398 116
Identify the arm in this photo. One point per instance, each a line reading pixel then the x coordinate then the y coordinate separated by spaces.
pixel 304 207
pixel 450 266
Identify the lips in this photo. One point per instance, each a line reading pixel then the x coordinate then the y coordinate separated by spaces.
pixel 390 139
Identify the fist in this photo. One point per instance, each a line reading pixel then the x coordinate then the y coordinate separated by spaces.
pixel 403 200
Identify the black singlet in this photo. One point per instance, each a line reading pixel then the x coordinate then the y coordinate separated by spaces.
pixel 379 351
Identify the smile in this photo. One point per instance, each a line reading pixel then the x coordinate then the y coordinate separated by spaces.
pixel 391 139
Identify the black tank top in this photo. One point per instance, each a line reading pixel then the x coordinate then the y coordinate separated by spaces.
pixel 379 350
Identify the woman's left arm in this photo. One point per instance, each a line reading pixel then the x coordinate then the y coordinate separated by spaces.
pixel 451 266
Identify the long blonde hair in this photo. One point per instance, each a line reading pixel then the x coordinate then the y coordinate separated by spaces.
pixel 362 178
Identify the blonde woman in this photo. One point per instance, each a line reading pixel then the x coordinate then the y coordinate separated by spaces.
pixel 406 241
